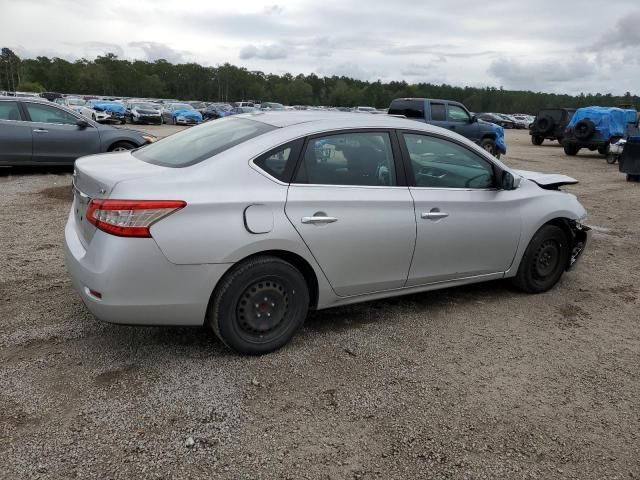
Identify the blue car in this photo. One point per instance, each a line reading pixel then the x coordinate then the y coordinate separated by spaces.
pixel 115 110
pixel 181 114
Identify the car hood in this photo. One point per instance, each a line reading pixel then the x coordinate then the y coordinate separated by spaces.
pixel 548 181
pixel 188 114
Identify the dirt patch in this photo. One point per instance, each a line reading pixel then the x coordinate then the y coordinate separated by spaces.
pixel 62 193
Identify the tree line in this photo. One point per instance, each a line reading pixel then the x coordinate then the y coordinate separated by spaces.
pixel 109 75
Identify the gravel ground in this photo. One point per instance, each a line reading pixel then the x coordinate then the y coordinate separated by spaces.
pixel 477 382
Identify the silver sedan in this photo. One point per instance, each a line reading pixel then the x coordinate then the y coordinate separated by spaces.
pixel 247 222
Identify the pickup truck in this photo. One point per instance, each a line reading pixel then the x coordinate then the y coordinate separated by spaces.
pixel 452 116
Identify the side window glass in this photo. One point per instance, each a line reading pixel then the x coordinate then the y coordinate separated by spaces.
pixel 9 111
pixel 280 163
pixel 457 114
pixel 46 114
pixel 349 159
pixel 438 112
pixel 439 163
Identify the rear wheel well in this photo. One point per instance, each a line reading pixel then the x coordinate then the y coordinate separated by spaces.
pixel 297 261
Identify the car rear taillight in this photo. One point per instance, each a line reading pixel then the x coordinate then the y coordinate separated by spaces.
pixel 130 218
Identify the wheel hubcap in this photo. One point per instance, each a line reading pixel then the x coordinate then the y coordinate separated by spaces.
pixel 120 149
pixel 547 258
pixel 262 308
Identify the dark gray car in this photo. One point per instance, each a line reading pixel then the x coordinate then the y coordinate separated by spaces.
pixel 39 132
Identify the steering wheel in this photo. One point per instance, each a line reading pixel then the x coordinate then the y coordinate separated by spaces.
pixel 467 184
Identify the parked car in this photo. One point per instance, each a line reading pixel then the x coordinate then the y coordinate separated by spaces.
pixel 522 121
pixel 38 132
pixel 216 110
pixel 115 110
pixel 363 109
pixel 246 223
pixel 144 112
pixel 271 106
pixel 453 116
pixel 496 119
pixel 180 114
pixel 198 106
pixel 550 124
pixel 596 128
pixel 241 110
pixel 80 106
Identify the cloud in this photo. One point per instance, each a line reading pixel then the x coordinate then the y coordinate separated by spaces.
pixel 625 34
pixel 273 9
pixel 159 51
pixel 521 75
pixel 264 52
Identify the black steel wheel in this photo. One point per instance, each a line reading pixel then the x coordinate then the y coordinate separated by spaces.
pixel 544 261
pixel 259 305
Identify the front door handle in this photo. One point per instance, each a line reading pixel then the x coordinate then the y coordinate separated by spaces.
pixel 434 215
pixel 40 130
pixel 319 219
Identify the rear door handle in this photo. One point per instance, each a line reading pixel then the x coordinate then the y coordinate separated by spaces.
pixel 319 220
pixel 40 130
pixel 434 215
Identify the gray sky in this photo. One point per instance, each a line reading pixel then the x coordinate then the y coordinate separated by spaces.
pixel 559 46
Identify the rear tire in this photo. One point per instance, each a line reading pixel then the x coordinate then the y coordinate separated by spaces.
pixel 259 305
pixel 537 139
pixel 633 178
pixel 544 261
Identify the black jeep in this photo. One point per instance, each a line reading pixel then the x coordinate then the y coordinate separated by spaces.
pixel 550 124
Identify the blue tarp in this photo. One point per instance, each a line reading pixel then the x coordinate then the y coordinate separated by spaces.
pixel 106 106
pixel 609 121
pixel 500 143
pixel 190 114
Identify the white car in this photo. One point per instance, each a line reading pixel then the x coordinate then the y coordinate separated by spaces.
pixel 80 105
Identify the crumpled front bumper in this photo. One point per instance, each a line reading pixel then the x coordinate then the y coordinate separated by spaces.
pixel 581 236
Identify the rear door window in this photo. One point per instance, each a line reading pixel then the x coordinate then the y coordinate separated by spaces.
pixel 359 159
pixel 438 112
pixel 9 111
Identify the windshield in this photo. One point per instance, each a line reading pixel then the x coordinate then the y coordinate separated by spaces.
pixel 199 143
pixel 181 106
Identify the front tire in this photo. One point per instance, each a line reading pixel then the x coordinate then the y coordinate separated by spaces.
pixel 544 260
pixel 537 139
pixel 121 147
pixel 571 150
pixel 259 305
pixel 490 146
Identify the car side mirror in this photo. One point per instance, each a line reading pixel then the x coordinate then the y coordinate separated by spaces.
pixel 82 124
pixel 474 119
pixel 508 181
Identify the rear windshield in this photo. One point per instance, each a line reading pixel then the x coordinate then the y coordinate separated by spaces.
pixel 199 143
pixel 408 108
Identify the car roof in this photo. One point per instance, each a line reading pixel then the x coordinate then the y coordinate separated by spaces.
pixel 337 119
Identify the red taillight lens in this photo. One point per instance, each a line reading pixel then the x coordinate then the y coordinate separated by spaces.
pixel 130 218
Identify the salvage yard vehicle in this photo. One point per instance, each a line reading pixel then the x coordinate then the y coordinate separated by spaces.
pixel 550 124
pixel 630 159
pixel 180 114
pixel 245 223
pixel 596 128
pixel 38 132
pixel 80 106
pixel 455 117
pixel 144 112
pixel 115 110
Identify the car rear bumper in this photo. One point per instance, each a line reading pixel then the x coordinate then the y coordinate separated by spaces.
pixel 136 282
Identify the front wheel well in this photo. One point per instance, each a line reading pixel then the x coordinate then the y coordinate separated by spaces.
pixel 575 235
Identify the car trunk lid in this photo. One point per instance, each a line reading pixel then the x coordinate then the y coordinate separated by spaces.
pixel 96 176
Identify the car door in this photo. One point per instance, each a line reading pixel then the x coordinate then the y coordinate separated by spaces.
pixel 56 136
pixel 466 227
pixel 459 121
pixel 351 206
pixel 438 114
pixel 15 135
